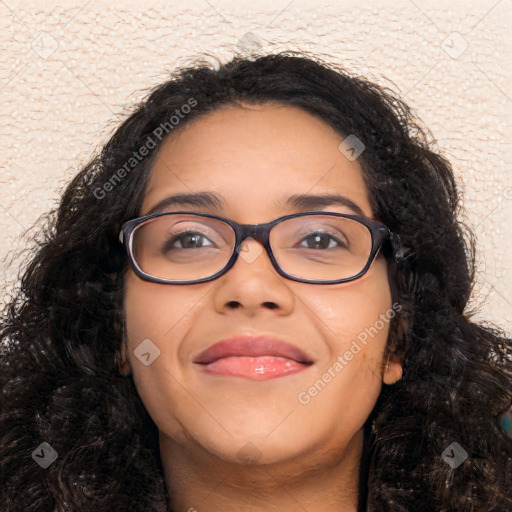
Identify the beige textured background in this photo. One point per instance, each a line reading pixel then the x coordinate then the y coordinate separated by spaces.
pixel 69 70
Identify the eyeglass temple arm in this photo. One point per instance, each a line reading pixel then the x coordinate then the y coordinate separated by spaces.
pixel 400 252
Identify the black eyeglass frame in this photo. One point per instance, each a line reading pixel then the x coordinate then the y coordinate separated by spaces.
pixel 260 232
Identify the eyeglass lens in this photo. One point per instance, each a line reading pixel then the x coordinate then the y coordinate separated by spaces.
pixel 187 247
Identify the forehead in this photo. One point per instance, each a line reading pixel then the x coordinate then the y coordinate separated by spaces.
pixel 253 158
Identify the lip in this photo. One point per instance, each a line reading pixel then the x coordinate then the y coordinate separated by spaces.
pixel 252 346
pixel 253 357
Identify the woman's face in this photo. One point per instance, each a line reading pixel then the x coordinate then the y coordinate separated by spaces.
pixel 253 159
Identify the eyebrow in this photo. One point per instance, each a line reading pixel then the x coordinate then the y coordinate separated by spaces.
pixel 199 199
pixel 301 202
pixel 314 202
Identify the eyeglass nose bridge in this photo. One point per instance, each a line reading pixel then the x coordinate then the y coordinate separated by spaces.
pixel 258 232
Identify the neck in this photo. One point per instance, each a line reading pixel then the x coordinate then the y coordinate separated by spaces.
pixel 198 481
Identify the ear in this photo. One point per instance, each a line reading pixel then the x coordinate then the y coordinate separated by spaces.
pixel 122 363
pixel 392 372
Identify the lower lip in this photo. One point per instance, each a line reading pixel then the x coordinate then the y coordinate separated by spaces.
pixel 254 368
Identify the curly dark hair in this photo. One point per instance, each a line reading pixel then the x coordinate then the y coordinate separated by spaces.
pixel 62 328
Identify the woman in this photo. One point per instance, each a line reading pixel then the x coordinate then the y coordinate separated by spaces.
pixel 163 354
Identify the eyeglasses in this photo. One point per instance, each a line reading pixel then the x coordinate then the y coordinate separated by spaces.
pixel 314 247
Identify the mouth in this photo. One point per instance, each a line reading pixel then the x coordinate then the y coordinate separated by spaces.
pixel 254 358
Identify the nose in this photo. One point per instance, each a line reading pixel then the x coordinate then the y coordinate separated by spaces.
pixel 253 285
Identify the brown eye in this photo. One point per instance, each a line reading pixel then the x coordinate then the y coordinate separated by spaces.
pixel 323 241
pixel 187 240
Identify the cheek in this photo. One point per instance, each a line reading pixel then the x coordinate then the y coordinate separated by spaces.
pixel 155 311
pixel 358 310
pixel 157 319
pixel 368 314
pixel 355 318
pixel 148 315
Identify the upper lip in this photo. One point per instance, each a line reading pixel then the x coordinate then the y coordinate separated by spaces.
pixel 251 346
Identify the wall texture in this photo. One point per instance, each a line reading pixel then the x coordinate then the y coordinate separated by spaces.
pixel 69 70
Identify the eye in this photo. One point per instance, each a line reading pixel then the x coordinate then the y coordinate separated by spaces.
pixel 320 240
pixel 188 240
